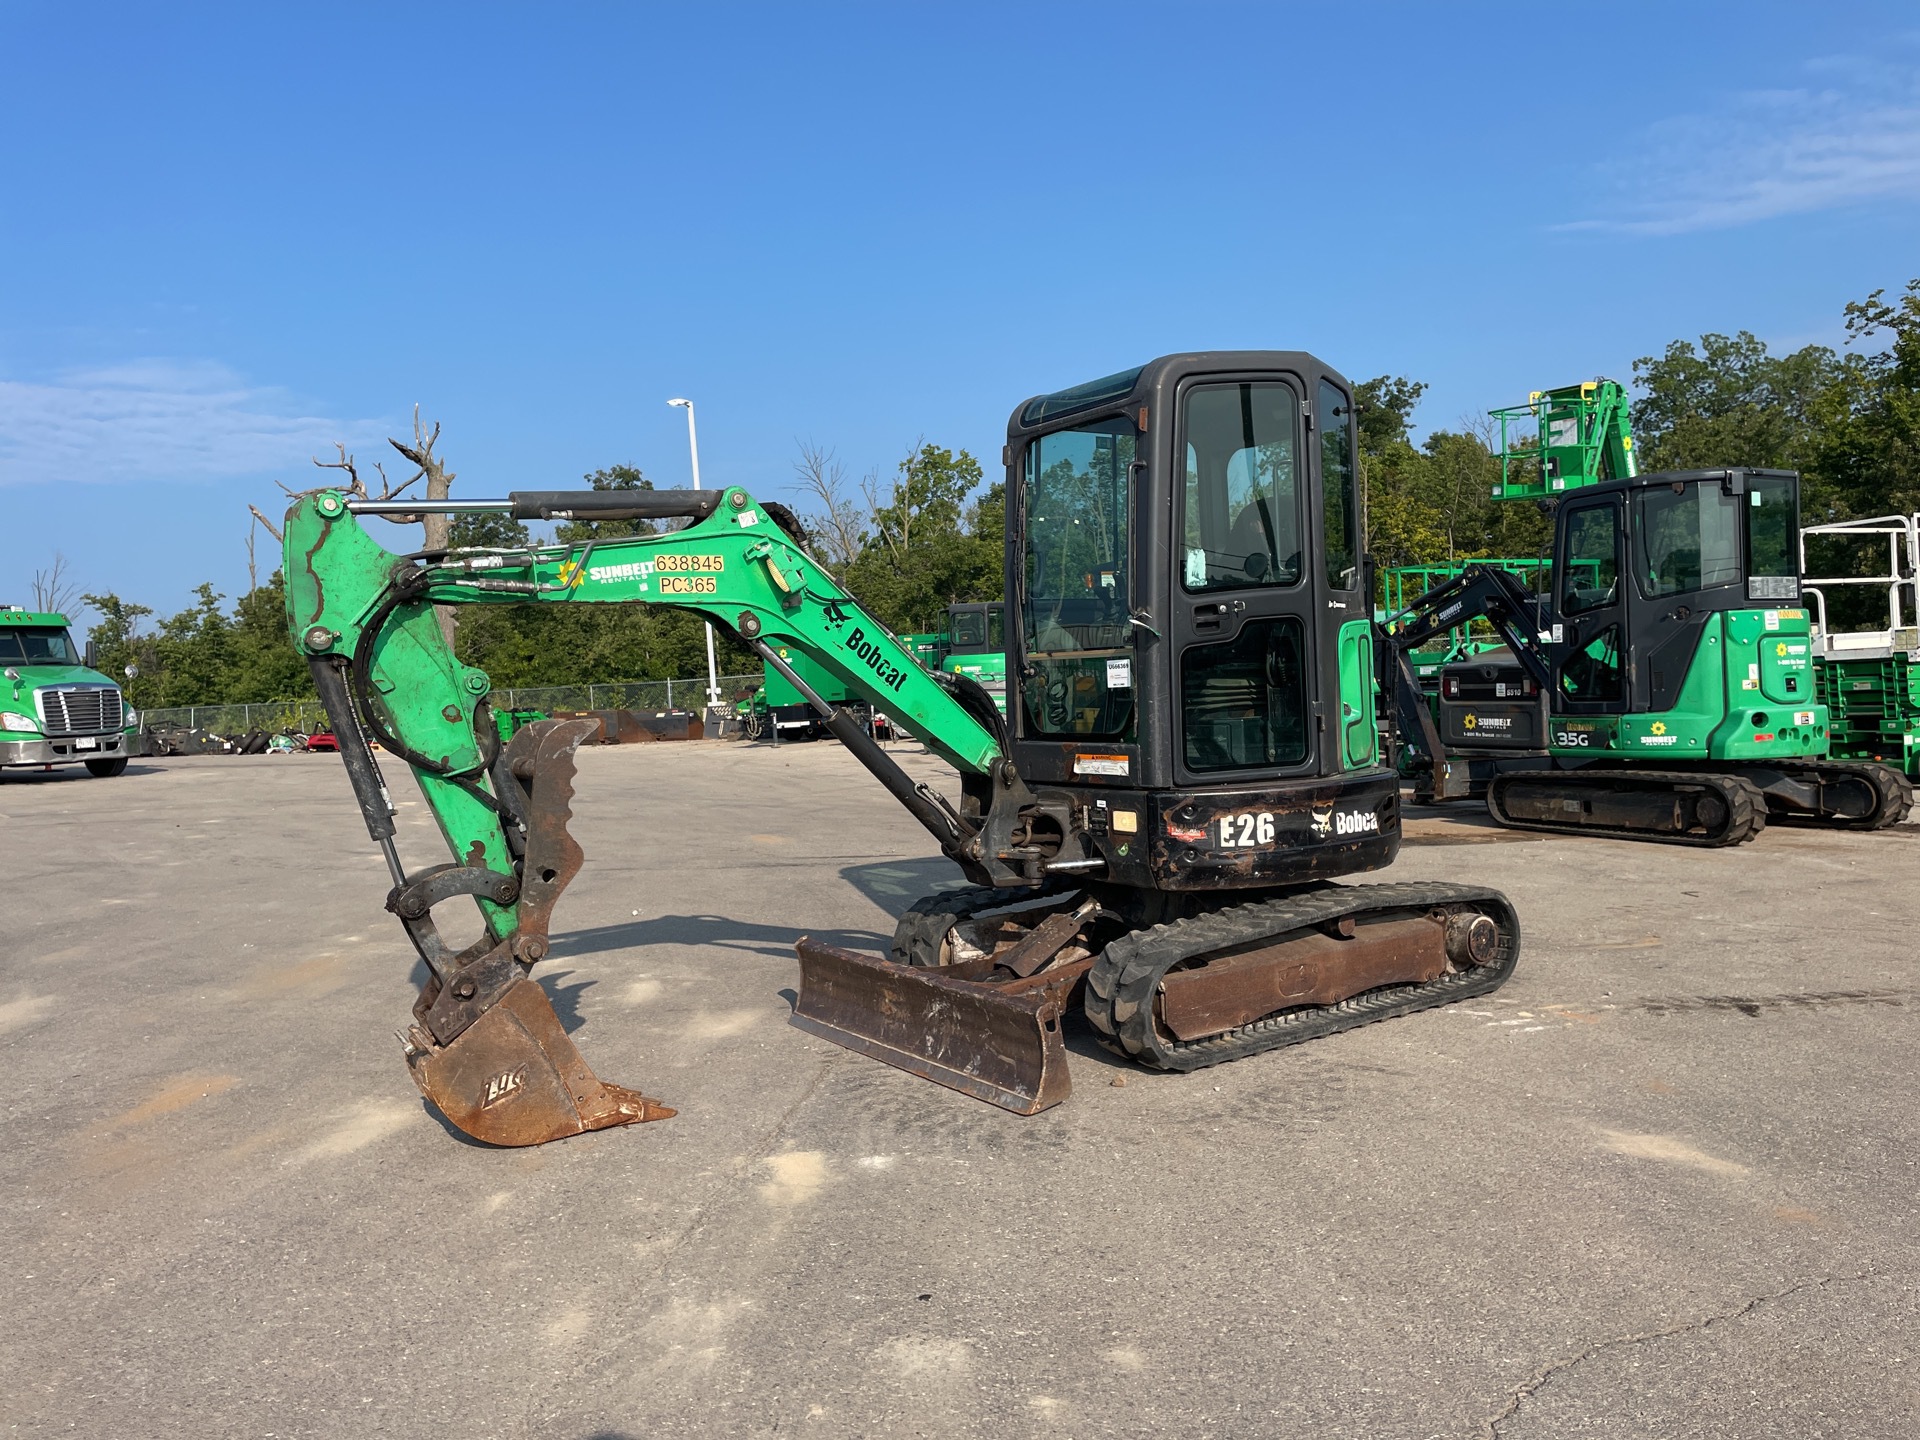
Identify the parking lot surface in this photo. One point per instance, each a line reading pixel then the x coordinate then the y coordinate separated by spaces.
pixel 1662 1184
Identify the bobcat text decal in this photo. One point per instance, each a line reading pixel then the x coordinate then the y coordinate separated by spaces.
pixel 888 674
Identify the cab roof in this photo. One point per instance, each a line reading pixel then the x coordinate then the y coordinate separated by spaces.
pixel 13 615
pixel 1676 477
pixel 1145 384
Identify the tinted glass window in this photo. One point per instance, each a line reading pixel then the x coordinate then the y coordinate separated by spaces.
pixel 969 629
pixel 1243 704
pixel 21 646
pixel 1592 577
pixel 1592 672
pixel 996 627
pixel 1686 539
pixel 1339 520
pixel 1241 504
pixel 1077 603
pixel 1773 521
pixel 1080 397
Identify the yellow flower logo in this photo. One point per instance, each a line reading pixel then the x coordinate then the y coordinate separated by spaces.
pixel 1781 648
pixel 570 575
pixel 1470 722
pixel 1659 727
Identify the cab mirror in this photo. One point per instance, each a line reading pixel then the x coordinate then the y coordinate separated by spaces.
pixel 92 656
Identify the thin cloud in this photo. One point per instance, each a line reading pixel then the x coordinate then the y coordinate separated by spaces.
pixel 1759 155
pixel 159 420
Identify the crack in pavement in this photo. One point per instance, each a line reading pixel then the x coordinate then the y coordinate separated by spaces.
pixel 1518 1396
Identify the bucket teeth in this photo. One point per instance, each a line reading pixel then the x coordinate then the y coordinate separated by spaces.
pixel 996 1040
pixel 513 1077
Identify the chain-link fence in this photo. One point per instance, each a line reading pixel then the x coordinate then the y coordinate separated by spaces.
pixel 306 716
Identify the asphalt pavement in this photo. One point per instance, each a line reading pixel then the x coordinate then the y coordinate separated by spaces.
pixel 1663 1184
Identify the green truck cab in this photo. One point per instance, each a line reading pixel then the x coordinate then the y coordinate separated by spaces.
pixel 55 708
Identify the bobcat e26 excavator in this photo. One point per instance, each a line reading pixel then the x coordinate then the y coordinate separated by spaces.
pixel 1190 755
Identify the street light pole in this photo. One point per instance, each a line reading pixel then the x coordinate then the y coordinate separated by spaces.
pixel 693 447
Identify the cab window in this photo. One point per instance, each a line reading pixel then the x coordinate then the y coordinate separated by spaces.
pixel 1686 538
pixel 1339 514
pixel 1591 578
pixel 1077 631
pixel 1240 500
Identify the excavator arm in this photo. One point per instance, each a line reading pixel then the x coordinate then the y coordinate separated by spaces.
pixel 1479 592
pixel 486 1046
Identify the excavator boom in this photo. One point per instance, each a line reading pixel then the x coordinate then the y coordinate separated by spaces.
pixel 486 1047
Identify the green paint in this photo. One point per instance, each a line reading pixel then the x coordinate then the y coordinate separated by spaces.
pixel 1359 744
pixel 735 567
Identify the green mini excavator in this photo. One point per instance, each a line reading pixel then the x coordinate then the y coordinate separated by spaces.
pixel 1661 688
pixel 1189 755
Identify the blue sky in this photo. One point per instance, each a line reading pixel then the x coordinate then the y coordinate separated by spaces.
pixel 231 235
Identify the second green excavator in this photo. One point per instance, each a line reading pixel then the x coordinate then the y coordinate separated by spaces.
pixel 1188 758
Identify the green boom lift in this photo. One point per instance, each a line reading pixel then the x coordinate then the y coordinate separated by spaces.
pixel 1189 755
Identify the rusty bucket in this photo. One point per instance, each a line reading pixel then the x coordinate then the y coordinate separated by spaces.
pixel 513 1077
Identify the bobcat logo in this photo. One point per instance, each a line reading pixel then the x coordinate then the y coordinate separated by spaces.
pixel 1323 822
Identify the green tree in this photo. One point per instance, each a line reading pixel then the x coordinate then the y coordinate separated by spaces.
pixel 1867 450
pixel 561 644
pixel 1731 402
pixel 928 543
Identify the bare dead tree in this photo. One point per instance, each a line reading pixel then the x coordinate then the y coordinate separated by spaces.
pixel 253 529
pixel 354 485
pixel 431 468
pixel 838 523
pixel 52 591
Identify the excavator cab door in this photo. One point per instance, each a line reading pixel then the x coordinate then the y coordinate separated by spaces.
pixel 1245 616
pixel 1589 652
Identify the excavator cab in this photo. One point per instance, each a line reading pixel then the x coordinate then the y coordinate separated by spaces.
pixel 1191 654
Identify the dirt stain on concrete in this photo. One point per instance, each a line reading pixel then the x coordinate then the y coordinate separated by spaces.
pixel 797 1176
pixel 18 1014
pixel 915 1356
pixel 1670 1149
pixel 371 1121
pixel 307 979
pixel 174 1096
pixel 720 1024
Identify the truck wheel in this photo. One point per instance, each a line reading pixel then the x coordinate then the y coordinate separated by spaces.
pixel 107 769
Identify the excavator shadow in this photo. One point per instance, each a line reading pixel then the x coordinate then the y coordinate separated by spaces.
pixel 719 931
pixel 894 885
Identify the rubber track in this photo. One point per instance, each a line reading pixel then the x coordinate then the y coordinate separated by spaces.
pixel 1894 789
pixel 1746 805
pixel 923 929
pixel 1126 977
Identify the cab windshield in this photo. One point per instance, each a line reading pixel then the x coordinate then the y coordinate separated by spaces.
pixel 20 645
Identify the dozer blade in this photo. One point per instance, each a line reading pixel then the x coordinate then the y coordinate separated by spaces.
pixel 996 1040
pixel 513 1077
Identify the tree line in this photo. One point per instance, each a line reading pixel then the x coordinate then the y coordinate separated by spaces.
pixel 931 533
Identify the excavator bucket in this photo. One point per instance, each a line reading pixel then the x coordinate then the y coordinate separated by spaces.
pixel 513 1077
pixel 996 1039
pixel 486 1047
